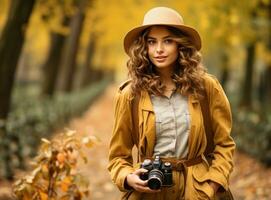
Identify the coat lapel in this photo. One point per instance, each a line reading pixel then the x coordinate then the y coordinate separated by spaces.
pixel 146 103
pixel 147 124
pixel 196 136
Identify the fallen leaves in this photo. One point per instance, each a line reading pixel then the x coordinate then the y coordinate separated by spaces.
pixel 250 179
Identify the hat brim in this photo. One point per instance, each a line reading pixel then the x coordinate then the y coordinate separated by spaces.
pixel 133 34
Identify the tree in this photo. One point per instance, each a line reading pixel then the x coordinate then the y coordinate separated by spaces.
pixel 265 81
pixel 11 43
pixel 87 73
pixel 248 79
pixel 70 52
pixel 52 64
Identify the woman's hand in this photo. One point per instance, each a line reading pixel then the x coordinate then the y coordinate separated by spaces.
pixel 139 185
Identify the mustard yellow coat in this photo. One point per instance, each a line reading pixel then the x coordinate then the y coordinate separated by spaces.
pixel 196 187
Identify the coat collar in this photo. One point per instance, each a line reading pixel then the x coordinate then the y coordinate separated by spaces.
pixel 147 104
pixel 146 101
pixel 193 99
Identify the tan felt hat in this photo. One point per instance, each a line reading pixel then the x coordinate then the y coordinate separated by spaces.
pixel 162 16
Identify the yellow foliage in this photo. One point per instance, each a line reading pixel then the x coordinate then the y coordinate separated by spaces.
pixel 37 39
pixel 43 195
pixel 61 157
pixel 65 184
pixel 90 141
pixel 57 172
pixel 264 53
pixel 4 7
pixel 221 25
pixel 234 40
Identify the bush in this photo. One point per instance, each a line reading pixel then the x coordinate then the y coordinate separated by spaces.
pixel 32 118
pixel 55 175
pixel 252 134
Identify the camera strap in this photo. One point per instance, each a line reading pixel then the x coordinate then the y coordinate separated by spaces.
pixel 204 104
pixel 135 134
pixel 179 164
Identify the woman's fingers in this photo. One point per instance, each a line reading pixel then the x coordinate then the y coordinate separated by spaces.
pixel 146 189
pixel 139 184
pixel 140 171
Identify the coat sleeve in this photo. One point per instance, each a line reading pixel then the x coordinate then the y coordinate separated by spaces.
pixel 221 118
pixel 121 144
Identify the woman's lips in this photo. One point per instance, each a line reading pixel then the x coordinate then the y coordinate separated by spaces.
pixel 160 58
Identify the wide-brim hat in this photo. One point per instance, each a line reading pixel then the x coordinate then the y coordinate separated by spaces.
pixel 162 16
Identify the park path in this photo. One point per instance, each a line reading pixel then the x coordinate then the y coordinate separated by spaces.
pixel 98 121
pixel 250 180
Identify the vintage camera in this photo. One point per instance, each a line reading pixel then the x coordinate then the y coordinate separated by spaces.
pixel 159 173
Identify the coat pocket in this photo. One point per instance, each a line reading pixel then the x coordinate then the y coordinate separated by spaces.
pixel 131 195
pixel 204 190
pixel 125 195
pixel 200 177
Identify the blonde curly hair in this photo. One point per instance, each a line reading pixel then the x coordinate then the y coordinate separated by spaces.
pixel 187 75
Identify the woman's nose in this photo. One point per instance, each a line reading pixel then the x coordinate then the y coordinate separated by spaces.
pixel 159 48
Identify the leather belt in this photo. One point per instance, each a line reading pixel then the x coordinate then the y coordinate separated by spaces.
pixel 180 164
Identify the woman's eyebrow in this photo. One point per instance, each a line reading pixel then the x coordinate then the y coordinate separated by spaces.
pixel 165 37
pixel 168 37
pixel 149 37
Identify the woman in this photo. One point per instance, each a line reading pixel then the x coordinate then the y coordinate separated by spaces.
pixel 169 81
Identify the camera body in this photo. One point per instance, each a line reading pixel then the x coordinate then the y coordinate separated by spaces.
pixel 159 173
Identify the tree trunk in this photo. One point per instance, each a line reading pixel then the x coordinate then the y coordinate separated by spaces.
pixel 11 43
pixel 86 73
pixel 265 90
pixel 70 53
pixel 268 68
pixel 52 64
pixel 225 70
pixel 248 79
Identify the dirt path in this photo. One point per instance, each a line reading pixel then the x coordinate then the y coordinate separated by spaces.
pixel 250 180
pixel 98 121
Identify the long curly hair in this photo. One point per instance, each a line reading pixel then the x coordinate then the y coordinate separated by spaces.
pixel 187 74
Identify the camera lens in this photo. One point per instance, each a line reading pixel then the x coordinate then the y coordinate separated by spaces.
pixel 155 179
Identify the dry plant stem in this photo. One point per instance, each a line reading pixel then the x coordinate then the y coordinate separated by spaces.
pixel 52 180
pixel 51 187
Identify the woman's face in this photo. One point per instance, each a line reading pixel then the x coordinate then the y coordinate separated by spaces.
pixel 162 49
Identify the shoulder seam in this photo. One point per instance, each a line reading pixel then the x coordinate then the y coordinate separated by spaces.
pixel 124 84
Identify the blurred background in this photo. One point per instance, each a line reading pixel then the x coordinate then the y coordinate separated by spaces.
pixel 57 56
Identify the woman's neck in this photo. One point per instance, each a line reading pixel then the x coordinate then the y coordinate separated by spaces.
pixel 166 77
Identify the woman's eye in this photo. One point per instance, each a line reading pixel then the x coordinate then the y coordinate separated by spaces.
pixel 151 42
pixel 168 41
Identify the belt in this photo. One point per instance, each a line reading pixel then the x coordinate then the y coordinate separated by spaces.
pixel 180 164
